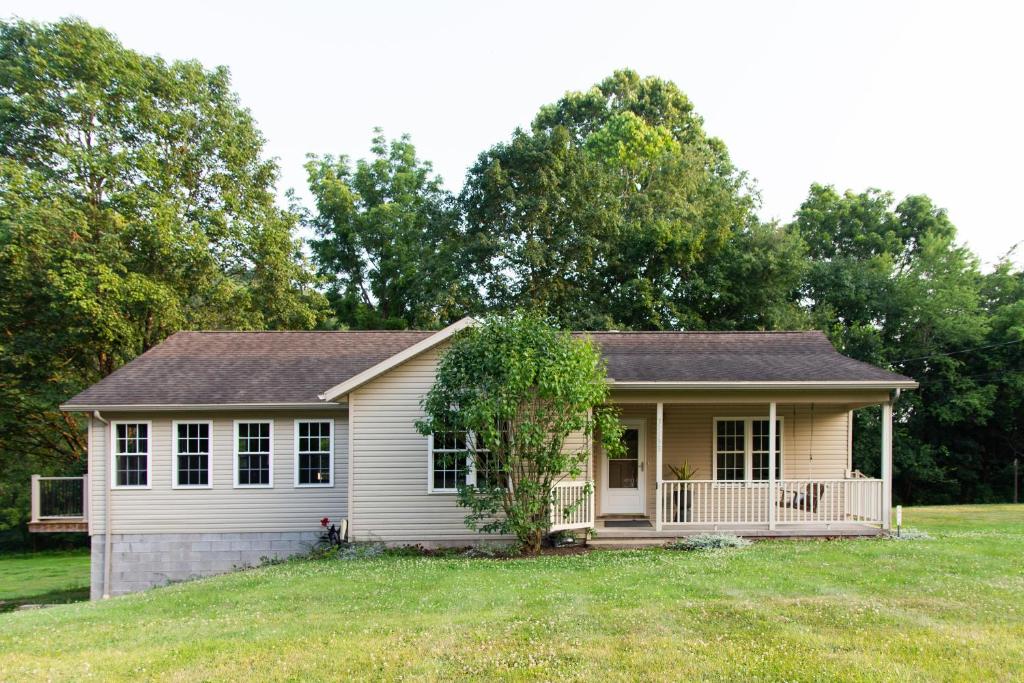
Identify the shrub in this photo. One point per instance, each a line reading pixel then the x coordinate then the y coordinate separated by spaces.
pixel 710 542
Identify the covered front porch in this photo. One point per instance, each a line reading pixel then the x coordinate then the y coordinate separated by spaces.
pixel 729 462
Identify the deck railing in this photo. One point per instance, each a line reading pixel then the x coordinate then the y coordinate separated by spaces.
pixel 795 501
pixel 60 498
pixel 572 505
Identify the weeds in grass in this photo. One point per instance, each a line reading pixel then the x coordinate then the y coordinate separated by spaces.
pixel 910 535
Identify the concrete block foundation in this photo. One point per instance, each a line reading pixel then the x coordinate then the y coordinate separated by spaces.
pixel 141 561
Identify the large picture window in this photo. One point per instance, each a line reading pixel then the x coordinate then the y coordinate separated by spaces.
pixel 191 455
pixel 741 449
pixel 131 454
pixel 314 448
pixel 254 453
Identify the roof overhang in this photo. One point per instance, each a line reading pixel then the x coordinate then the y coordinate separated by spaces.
pixel 352 383
pixel 760 386
pixel 170 407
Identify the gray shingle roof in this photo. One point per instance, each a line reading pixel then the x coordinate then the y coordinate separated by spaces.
pixel 222 368
pixel 244 367
pixel 732 357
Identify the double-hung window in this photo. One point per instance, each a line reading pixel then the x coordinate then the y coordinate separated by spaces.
pixel 449 461
pixel 191 459
pixel 741 449
pixel 131 449
pixel 314 449
pixel 452 464
pixel 254 454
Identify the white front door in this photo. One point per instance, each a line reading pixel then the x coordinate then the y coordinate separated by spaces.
pixel 622 486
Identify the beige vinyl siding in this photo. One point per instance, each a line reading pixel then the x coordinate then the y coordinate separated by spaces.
pixel 222 508
pixel 390 501
pixel 815 440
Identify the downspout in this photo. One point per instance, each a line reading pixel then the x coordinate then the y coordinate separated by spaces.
pixel 106 510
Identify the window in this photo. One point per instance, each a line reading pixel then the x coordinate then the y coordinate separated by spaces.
pixel 484 470
pixel 253 452
pixel 191 455
pixel 741 449
pixel 759 450
pixel 730 450
pixel 449 461
pixel 131 454
pixel 314 448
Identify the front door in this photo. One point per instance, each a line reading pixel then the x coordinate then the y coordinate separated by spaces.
pixel 622 488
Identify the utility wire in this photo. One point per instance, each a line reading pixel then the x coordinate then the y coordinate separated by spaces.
pixel 953 353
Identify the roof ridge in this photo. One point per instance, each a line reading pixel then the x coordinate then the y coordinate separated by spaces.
pixel 304 331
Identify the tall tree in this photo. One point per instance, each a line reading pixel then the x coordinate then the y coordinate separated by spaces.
pixel 601 212
pixel 134 201
pixel 388 241
pixel 892 286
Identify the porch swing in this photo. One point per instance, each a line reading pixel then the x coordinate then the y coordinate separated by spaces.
pixel 808 499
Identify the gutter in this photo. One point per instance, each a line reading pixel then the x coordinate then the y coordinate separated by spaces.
pixel 778 385
pixel 106 512
pixel 169 407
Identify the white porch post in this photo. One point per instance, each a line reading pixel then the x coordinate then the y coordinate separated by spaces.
pixel 886 464
pixel 658 454
pixel 35 498
pixel 772 494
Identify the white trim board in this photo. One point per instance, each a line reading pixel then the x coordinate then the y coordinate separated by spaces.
pixel 365 376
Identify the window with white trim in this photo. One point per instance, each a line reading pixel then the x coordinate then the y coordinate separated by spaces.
pixel 449 461
pixel 191 454
pixel 759 450
pixel 730 449
pixel 131 454
pixel 314 446
pixel 741 449
pixel 253 453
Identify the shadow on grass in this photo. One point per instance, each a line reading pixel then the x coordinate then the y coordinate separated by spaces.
pixel 60 597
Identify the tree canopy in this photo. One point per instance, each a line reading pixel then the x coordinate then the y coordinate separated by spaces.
pixel 388 239
pixel 135 200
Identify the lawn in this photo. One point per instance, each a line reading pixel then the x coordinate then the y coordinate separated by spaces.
pixel 950 608
pixel 43 578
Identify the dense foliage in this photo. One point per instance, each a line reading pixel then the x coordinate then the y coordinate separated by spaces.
pixel 528 398
pixel 135 200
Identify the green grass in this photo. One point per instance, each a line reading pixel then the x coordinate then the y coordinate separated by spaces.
pixel 43 578
pixel 951 608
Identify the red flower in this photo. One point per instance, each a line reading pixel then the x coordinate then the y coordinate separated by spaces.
pixel 325 521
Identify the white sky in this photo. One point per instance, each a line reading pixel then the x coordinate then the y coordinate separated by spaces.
pixel 913 97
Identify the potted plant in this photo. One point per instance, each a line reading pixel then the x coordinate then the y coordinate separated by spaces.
pixel 681 500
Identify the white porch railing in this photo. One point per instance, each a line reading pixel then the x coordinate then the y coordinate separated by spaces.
pixel 60 498
pixel 572 505
pixel 796 501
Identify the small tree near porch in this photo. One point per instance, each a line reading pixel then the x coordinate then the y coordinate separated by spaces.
pixel 517 387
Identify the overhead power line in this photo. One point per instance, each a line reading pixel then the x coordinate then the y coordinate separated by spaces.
pixel 953 353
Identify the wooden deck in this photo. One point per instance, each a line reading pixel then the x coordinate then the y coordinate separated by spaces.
pixel 58 526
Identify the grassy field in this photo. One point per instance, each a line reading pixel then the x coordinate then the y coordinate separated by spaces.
pixel 950 608
pixel 43 578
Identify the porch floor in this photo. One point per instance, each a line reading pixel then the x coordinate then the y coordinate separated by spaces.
pixel 637 536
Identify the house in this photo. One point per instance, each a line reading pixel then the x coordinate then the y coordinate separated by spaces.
pixel 215 449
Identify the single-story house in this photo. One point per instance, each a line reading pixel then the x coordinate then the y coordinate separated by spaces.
pixel 213 450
